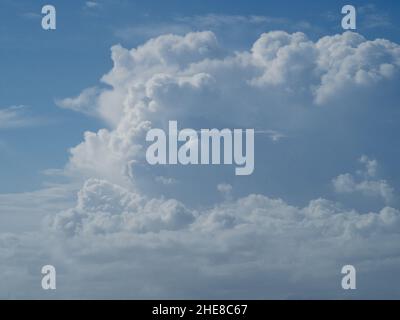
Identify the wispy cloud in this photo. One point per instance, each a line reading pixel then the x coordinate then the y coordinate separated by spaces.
pixel 31 15
pixel 166 180
pixel 222 19
pixel 372 17
pixel 17 117
pixel 183 24
pixel 92 4
pixel 151 30
pixel 275 136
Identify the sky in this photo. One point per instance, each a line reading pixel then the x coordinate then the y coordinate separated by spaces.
pixel 31 59
pixel 76 191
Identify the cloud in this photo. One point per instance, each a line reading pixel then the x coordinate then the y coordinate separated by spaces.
pixel 222 24
pixel 17 117
pixel 217 20
pixel 225 189
pixel 275 136
pixel 22 212
pixel 31 15
pixel 104 208
pixel 85 102
pixel 372 17
pixel 286 250
pixel 280 82
pixel 368 185
pixel 166 180
pixel 371 166
pixel 91 4
pixel 345 183
pixel 130 236
pixel 149 31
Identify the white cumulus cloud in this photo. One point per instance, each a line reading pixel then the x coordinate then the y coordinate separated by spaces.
pixel 367 184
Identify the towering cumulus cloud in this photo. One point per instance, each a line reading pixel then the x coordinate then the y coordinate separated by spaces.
pixel 279 84
pixel 210 234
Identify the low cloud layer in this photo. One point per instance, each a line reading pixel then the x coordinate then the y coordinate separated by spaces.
pixel 251 247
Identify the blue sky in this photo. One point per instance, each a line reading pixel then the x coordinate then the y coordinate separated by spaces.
pixel 42 66
pixel 325 188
